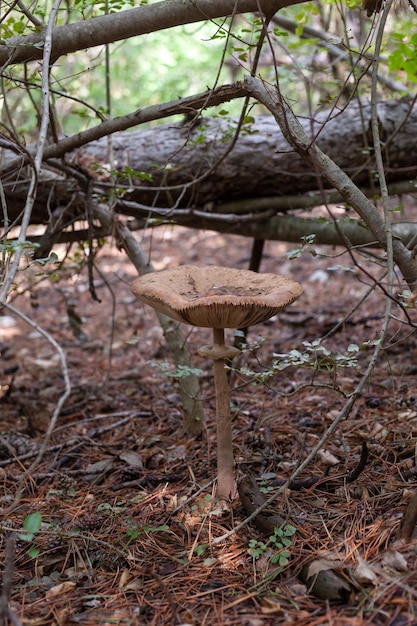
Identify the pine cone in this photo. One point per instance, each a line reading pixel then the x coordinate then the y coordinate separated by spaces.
pixel 90 521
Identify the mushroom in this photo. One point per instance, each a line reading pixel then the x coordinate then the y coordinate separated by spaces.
pixel 218 298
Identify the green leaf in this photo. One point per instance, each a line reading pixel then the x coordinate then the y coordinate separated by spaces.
pixel 32 522
pixel 132 533
pixel 200 549
pixel 33 552
pixel 289 530
pixel 18 27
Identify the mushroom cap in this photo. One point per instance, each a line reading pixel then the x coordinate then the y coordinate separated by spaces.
pixel 216 297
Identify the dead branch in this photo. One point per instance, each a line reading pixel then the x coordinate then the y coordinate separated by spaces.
pixel 6 613
pixel 251 497
pixel 409 520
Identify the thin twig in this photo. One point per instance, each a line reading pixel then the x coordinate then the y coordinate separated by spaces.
pixel 7 580
pixel 38 158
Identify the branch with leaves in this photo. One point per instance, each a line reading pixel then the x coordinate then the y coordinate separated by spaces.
pixel 113 27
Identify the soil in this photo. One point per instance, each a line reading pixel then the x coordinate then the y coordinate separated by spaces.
pixel 117 521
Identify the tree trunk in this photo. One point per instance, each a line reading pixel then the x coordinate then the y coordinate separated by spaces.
pixel 190 170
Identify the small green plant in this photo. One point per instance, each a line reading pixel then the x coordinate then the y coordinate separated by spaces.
pixel 31 525
pixel 256 548
pixel 315 356
pixel 318 357
pixel 306 242
pixel 281 540
pixel 10 246
pixel 264 485
pixel 126 174
pixel 112 509
pixel 133 532
pixel 150 529
pixel 404 56
pixel 276 548
pixel 177 373
pixel 200 549
pixel 130 535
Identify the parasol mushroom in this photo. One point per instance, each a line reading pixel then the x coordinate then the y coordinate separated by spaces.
pixel 218 298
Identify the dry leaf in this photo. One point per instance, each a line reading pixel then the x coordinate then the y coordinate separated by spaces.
pixel 396 560
pixel 124 578
pixel 60 589
pixel 378 432
pixel 252 620
pixel 99 466
pixel 322 564
pixel 45 364
pixel 364 574
pixel 188 619
pixel 270 606
pixel 408 415
pixel 132 458
pixel 327 584
pixel 327 458
pixel 134 585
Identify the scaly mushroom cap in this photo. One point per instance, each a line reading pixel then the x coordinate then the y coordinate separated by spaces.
pixel 216 297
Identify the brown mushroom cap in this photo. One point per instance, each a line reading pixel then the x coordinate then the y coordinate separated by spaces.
pixel 216 297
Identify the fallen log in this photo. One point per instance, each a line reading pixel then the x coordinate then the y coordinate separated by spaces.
pixel 195 167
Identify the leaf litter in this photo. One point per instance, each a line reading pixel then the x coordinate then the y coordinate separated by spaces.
pixel 124 499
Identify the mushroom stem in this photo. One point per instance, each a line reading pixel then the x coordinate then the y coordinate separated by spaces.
pixel 226 483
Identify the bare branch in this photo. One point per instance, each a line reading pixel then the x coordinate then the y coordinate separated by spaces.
pixel 38 156
pixel 338 50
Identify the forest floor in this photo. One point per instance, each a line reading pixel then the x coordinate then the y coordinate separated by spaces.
pixel 117 523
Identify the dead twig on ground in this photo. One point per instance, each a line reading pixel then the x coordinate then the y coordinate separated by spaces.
pixel 409 520
pixel 6 613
